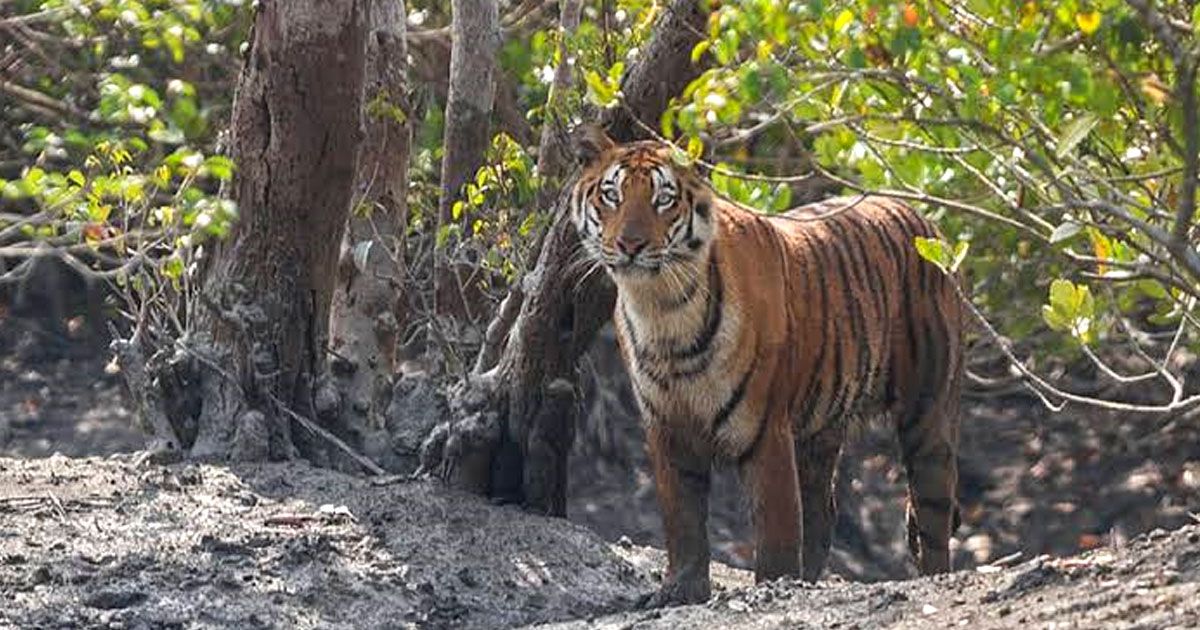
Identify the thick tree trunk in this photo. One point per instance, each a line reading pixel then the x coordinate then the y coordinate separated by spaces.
pixel 369 301
pixel 529 394
pixel 251 365
pixel 475 42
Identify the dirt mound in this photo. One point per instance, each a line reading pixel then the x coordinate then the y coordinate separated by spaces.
pixel 95 542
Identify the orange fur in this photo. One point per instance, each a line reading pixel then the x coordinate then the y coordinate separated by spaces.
pixel 755 339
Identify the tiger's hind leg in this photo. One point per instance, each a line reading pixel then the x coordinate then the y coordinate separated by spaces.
pixel 928 432
pixel 817 459
pixel 770 477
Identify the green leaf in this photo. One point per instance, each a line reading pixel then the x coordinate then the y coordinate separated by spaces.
pixel 843 20
pixel 600 92
pixel 1071 309
pixel 219 167
pixel 960 254
pixel 1088 22
pixel 1076 131
pixel 173 267
pixel 935 251
pixel 1064 231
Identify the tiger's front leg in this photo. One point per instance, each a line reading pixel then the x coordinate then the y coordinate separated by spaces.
pixel 683 481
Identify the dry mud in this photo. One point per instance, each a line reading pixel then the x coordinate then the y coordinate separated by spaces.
pixel 114 543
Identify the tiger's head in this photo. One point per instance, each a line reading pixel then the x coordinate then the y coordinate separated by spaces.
pixel 637 211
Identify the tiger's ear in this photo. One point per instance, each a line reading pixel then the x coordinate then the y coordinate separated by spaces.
pixel 590 143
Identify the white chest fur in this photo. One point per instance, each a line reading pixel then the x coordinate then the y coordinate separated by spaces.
pixel 687 367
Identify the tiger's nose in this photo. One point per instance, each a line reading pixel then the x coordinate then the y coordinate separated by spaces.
pixel 631 245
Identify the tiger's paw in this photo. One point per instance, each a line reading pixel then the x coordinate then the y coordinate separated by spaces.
pixel 677 593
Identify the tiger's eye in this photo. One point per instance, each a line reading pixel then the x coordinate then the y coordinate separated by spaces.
pixel 609 196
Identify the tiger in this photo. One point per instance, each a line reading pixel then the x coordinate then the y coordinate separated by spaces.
pixel 758 340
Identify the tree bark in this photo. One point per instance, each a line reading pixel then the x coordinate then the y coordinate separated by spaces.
pixel 475 42
pixel 529 393
pixel 369 304
pixel 251 363
pixel 554 148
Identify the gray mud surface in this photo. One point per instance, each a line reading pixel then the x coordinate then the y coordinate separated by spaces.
pixel 1153 582
pixel 106 542
pixel 109 542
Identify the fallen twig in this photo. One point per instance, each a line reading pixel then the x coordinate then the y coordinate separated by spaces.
pixel 289 520
pixel 330 437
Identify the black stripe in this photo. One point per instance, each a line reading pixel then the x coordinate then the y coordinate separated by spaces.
pixel 705 359
pixel 924 396
pixel 862 264
pixel 812 394
pixel 577 200
pixel 672 303
pixel 649 360
pixel 910 317
pixel 735 398
pixel 836 404
pixel 917 227
pixel 702 209
pixel 644 363
pixel 842 384
pixel 712 320
pixel 877 297
pixel 858 321
pixel 893 254
pixel 647 406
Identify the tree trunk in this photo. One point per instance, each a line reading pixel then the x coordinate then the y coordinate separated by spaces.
pixel 554 148
pixel 251 362
pixel 529 395
pixel 475 42
pixel 369 301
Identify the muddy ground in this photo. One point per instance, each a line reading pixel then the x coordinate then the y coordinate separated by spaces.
pixel 111 543
pixel 108 542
